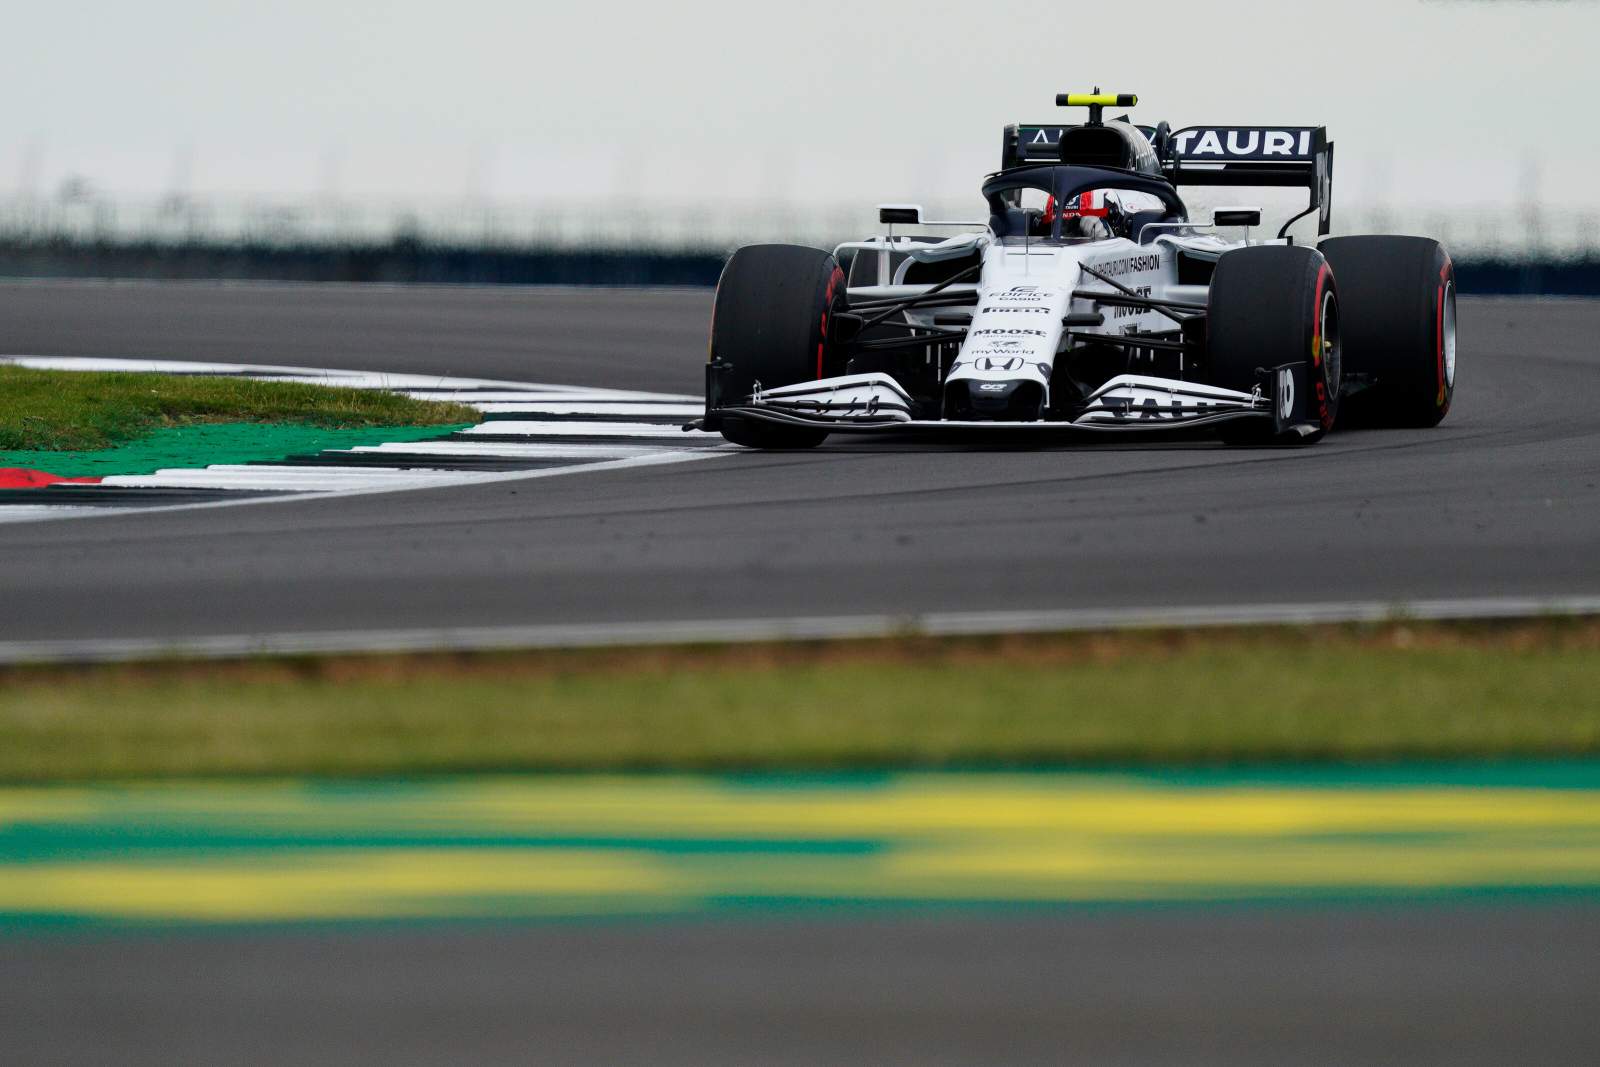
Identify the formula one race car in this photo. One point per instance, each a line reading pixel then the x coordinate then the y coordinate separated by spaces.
pixel 1089 301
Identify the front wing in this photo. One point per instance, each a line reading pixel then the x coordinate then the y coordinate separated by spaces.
pixel 876 403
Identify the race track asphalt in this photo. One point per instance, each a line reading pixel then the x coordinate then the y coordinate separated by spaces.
pixel 1451 986
pixel 1500 500
pixel 1503 499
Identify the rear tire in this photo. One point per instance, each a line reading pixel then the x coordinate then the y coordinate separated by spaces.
pixel 770 325
pixel 1268 306
pixel 1400 327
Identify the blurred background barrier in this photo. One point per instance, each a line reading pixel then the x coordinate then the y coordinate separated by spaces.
pixel 83 234
pixel 398 261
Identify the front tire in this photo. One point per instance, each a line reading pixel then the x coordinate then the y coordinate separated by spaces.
pixel 1271 305
pixel 1400 330
pixel 769 325
pixel 753 433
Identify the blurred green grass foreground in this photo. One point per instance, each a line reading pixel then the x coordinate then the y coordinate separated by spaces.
pixel 60 411
pixel 1398 691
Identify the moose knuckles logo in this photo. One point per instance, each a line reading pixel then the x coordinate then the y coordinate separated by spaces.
pixel 1009 332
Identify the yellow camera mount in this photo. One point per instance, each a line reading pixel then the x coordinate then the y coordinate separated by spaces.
pixel 1096 102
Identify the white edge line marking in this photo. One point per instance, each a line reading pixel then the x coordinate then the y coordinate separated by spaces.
pixel 667 412
pixel 128 513
pixel 26 512
pixel 534 428
pixel 661 455
pixel 505 449
pixel 813 628
pixel 399 381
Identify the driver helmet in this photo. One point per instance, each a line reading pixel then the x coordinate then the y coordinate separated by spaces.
pixel 1091 203
pixel 1102 212
pixel 1090 214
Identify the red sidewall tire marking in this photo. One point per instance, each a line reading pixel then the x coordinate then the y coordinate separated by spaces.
pixel 1442 397
pixel 1324 410
pixel 827 309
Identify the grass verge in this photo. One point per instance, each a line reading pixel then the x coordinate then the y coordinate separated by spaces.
pixel 1342 694
pixel 201 444
pixel 57 411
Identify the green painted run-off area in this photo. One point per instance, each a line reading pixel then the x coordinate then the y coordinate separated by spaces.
pixel 202 444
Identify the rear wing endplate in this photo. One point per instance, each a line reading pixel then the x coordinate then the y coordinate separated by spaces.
pixel 1288 156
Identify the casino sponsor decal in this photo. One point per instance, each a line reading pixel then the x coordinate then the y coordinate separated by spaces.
pixel 1022 294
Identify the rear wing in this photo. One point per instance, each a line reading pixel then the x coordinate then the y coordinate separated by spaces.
pixel 1289 156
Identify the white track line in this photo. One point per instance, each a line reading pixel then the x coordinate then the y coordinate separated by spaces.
pixel 658 458
pixel 696 631
pixel 664 412
pixel 293 479
pixel 509 449
pixel 474 391
pixel 431 383
pixel 480 397
pixel 543 436
pixel 518 428
pixel 27 512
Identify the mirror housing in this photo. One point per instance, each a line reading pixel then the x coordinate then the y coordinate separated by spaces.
pixel 900 214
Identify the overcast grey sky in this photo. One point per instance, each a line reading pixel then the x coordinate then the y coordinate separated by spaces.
pixel 815 101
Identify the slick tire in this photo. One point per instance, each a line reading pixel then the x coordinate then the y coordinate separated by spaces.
pixel 1268 306
pixel 770 325
pixel 1399 298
